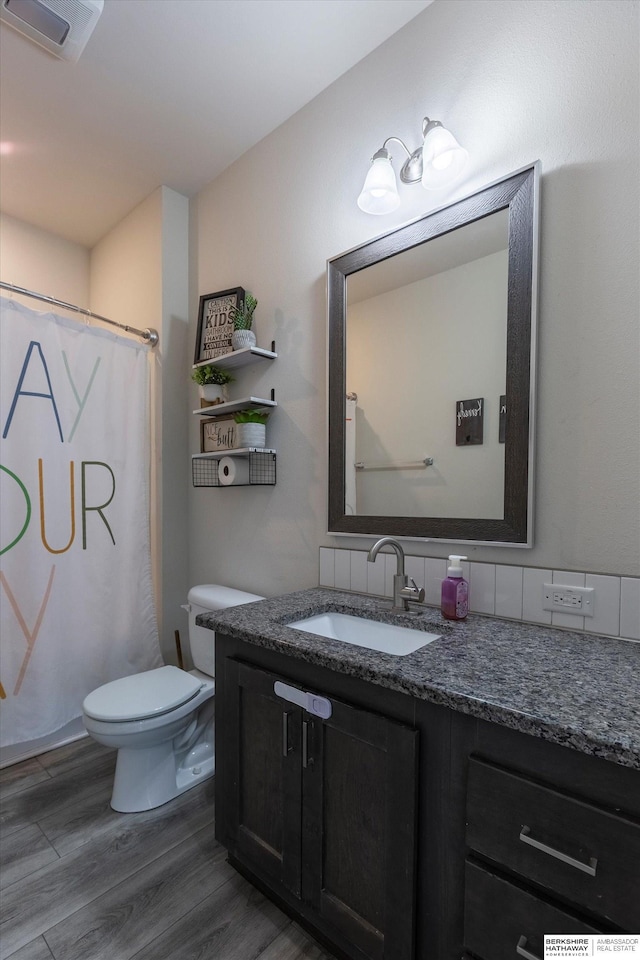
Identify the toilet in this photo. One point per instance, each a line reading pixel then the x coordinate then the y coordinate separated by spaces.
pixel 162 721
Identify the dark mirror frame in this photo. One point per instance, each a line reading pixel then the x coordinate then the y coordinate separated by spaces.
pixel 519 194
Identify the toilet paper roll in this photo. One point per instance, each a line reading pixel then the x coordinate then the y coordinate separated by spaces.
pixel 233 471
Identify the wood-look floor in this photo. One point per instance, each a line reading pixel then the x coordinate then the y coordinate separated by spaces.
pixel 81 882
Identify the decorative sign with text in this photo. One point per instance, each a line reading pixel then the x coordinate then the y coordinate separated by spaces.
pixel 217 434
pixel 215 323
pixel 469 422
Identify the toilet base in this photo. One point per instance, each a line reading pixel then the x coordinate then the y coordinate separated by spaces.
pixel 148 778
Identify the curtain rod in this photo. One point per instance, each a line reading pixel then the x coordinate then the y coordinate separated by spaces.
pixel 149 336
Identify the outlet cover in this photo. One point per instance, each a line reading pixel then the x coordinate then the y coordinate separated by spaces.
pixel 572 600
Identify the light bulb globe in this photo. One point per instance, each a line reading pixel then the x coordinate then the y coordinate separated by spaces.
pixel 379 194
pixel 443 159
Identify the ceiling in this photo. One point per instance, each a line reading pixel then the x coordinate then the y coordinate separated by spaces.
pixel 165 92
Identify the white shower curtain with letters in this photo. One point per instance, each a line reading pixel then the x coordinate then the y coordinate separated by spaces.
pixel 76 596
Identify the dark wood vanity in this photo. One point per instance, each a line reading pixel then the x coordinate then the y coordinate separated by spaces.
pixel 406 829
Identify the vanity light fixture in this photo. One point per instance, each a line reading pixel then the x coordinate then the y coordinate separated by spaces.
pixel 436 163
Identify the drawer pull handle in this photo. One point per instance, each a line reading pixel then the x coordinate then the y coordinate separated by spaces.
pixel 521 950
pixel 590 868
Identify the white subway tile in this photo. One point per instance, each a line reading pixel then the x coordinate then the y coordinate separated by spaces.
pixel 508 592
pixel 343 569
pixel 532 582
pixel 375 576
pixel 606 605
pixel 630 608
pixel 482 588
pixel 359 571
pixel 414 567
pixel 512 592
pixel 568 579
pixel 327 567
pixel 435 571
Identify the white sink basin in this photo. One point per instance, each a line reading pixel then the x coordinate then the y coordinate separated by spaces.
pixel 386 637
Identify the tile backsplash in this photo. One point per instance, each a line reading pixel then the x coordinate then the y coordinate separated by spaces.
pixel 501 590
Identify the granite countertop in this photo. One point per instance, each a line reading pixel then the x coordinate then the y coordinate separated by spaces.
pixel 578 690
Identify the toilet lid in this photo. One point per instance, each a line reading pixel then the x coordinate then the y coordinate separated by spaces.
pixel 142 695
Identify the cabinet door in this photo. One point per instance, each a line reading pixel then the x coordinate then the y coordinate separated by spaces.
pixel 262 734
pixel 359 828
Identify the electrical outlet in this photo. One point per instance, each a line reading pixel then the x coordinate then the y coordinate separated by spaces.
pixel 561 599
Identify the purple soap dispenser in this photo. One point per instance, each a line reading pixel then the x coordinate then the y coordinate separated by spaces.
pixel 455 591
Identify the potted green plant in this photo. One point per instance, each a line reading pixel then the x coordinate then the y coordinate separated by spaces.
pixel 242 317
pixel 212 382
pixel 252 428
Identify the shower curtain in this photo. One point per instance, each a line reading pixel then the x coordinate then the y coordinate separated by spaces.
pixel 76 598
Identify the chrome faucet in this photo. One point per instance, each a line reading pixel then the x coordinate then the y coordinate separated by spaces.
pixel 402 592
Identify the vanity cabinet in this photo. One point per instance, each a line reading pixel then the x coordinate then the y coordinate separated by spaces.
pixel 321 811
pixel 401 829
pixel 552 836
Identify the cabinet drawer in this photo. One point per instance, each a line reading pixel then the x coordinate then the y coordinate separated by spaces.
pixel 583 853
pixel 516 929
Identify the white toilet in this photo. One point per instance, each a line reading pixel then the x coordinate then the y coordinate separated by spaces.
pixel 161 721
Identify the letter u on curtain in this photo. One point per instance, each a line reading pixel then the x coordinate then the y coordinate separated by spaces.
pixel 76 598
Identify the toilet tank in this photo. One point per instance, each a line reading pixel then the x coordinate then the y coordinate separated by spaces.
pixel 203 599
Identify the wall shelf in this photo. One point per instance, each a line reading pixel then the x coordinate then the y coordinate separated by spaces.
pixel 262 467
pixel 231 406
pixel 262 460
pixel 240 358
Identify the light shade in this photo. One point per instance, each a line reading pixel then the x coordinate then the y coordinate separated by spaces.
pixel 380 191
pixel 443 159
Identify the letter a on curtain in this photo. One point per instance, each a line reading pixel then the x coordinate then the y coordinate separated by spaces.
pixel 76 598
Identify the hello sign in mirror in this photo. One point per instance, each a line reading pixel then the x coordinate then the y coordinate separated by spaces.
pixel 432 328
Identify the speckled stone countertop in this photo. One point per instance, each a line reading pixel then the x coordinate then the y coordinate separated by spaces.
pixel 579 690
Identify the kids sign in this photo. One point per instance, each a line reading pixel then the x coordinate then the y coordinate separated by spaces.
pixel 74 529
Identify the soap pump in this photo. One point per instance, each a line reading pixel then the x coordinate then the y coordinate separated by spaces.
pixel 455 591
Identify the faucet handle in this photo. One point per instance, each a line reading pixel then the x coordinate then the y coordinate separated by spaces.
pixel 414 592
pixel 419 590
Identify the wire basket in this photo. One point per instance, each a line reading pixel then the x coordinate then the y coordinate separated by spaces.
pixel 262 469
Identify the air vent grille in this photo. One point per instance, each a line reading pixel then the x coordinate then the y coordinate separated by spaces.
pixel 71 11
pixel 60 26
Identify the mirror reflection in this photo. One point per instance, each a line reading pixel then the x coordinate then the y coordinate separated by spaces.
pixel 426 331
pixel 431 357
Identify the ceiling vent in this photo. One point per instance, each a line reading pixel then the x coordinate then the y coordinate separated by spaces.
pixel 60 26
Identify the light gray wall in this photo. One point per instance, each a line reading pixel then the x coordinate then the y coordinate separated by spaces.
pixel 43 262
pixel 555 80
pixel 139 276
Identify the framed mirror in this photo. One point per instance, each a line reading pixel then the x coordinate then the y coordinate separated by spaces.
pixel 432 373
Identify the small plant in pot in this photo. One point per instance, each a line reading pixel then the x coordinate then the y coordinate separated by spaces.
pixel 242 317
pixel 212 382
pixel 252 429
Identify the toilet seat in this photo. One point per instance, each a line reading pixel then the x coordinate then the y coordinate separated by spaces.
pixel 142 695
